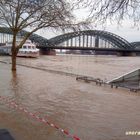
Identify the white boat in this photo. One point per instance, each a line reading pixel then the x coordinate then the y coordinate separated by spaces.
pixel 28 49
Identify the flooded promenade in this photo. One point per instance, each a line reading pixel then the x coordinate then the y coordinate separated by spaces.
pixel 91 112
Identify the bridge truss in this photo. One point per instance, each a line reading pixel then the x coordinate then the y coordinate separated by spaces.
pixel 6 36
pixel 88 39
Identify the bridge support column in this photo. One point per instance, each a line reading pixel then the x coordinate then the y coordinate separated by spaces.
pixel 126 54
pixel 87 41
pixel 90 42
pixel 96 42
pixel 79 41
pixel 83 40
pixel 71 42
pixel 46 51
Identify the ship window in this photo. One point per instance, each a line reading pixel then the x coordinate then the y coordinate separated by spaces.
pixel 29 47
pixel 24 47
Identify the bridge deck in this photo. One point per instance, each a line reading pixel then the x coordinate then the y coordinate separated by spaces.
pixel 89 48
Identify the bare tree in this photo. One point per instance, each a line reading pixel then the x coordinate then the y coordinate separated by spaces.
pixel 113 10
pixel 33 15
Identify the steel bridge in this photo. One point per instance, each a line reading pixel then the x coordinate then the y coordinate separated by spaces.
pixel 81 40
pixel 90 39
pixel 136 45
pixel 6 36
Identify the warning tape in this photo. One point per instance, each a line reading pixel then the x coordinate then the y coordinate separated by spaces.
pixel 14 105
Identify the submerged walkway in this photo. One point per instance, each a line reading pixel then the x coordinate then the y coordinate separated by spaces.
pixel 67 103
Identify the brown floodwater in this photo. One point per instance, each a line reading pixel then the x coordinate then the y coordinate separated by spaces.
pixel 89 111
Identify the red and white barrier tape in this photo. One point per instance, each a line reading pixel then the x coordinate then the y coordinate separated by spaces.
pixel 14 105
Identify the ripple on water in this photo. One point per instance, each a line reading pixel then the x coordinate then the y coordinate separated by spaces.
pixel 87 110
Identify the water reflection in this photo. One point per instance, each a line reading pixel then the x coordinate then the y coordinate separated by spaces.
pixel 16 88
pixel 14 79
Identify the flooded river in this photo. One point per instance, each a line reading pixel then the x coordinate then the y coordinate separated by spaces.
pixel 91 112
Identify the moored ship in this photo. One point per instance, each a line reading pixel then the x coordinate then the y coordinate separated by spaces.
pixel 27 50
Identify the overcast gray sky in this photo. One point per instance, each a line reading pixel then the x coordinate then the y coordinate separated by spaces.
pixel 126 30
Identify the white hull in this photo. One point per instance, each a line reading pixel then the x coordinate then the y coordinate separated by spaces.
pixel 33 55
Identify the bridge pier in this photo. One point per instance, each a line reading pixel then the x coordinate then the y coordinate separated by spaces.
pixel 46 51
pixel 126 53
